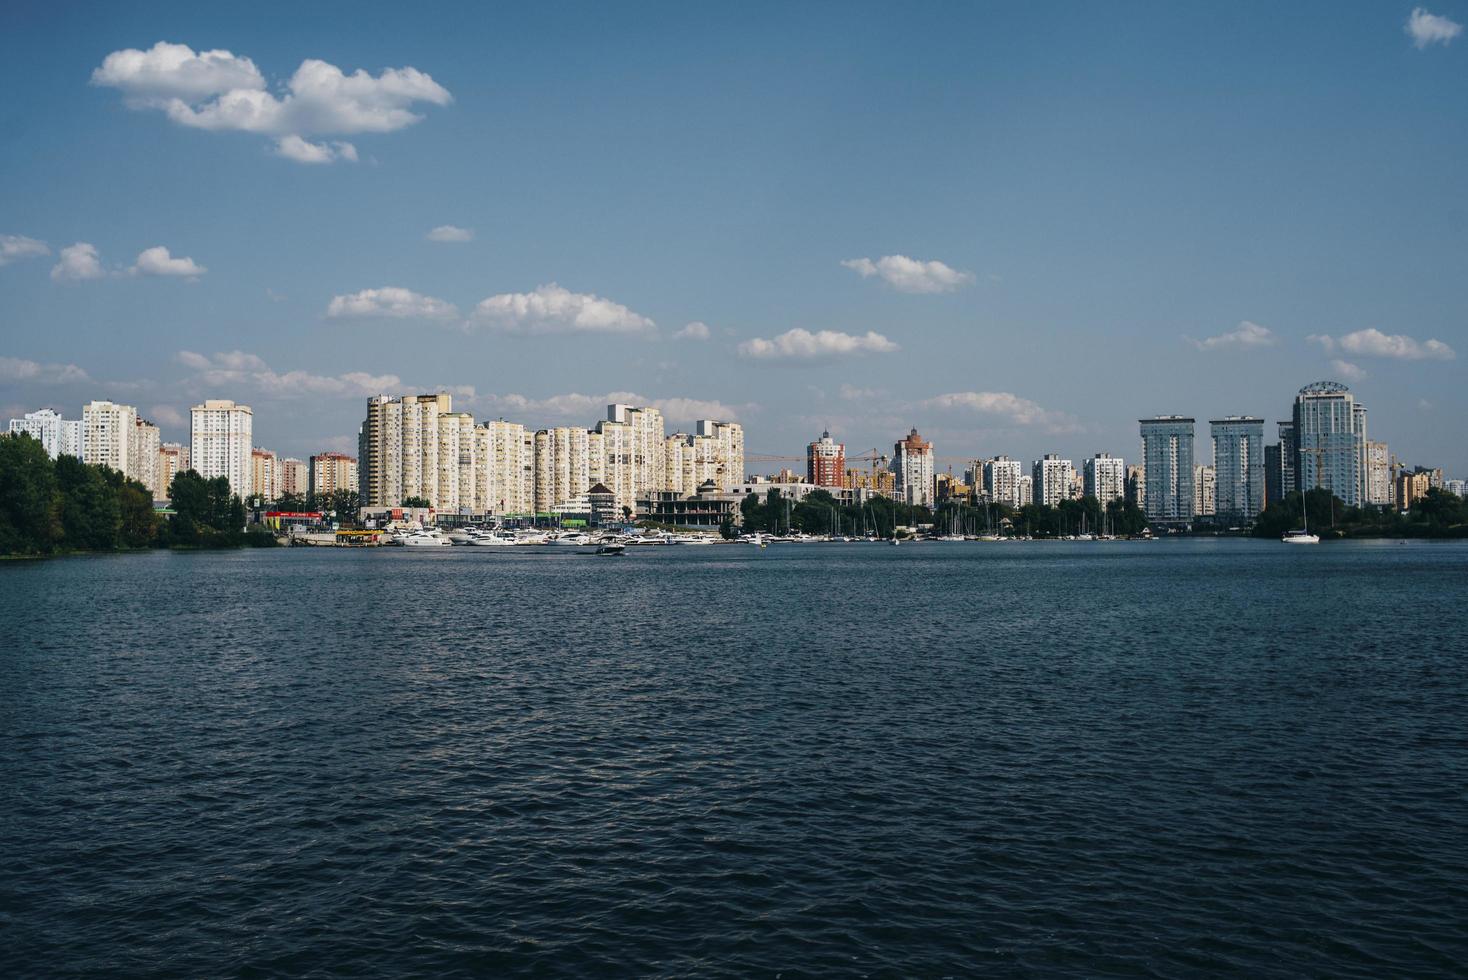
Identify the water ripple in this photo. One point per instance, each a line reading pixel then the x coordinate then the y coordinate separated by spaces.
pixel 1150 760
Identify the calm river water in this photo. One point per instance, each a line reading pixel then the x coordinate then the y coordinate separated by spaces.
pixel 1220 757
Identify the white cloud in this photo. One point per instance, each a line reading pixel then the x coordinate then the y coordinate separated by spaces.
pixel 585 409
pixel 173 71
pixel 1373 343
pixel 1245 335
pixel 1425 28
pixel 1347 371
pixel 217 90
pixel 1007 406
pixel 19 369
pixel 824 345
pixel 304 151
pixel 450 233
pixel 852 393
pixel 13 247
pixel 168 415
pixel 241 368
pixel 78 262
pixel 690 409
pixel 554 309
pixel 911 275
pixel 697 330
pixel 156 261
pixel 391 301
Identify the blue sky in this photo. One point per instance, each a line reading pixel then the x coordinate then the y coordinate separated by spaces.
pixel 1103 188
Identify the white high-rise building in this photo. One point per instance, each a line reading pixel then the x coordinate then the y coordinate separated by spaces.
pixel 416 446
pixel 58 436
pixel 107 434
pixel 1025 490
pixel 1330 437
pixel 713 453
pixel 222 433
pixel 1167 456
pixel 458 473
pixel 1053 478
pixel 1378 474
pixel 1001 480
pixel 1105 478
pixel 420 447
pixel 728 450
pixel 636 453
pixel 912 467
pixel 506 483
pixel 1238 468
pixel 1205 490
pixel 563 466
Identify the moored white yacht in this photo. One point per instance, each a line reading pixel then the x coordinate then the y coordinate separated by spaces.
pixel 426 539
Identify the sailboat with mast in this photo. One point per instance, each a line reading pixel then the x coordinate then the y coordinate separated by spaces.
pixel 1302 534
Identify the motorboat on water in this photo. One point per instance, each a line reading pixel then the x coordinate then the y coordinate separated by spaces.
pixel 426 539
pixel 572 539
pixel 493 541
pixel 612 548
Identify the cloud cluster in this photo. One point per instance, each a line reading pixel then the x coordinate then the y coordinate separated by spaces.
pixel 15 247
pixel 801 345
pixel 450 233
pixel 554 309
pixel 1245 335
pixel 392 302
pixel 1347 370
pixel 697 330
pixel 582 409
pixel 157 261
pixel 79 263
pixel 19 369
pixel 1425 28
pixel 218 90
pixel 241 368
pixel 1007 406
pixel 852 393
pixel 1373 343
pixel 911 275
pixel 304 151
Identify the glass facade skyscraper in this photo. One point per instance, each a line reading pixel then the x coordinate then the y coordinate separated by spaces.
pixel 1330 437
pixel 1238 464
pixel 1167 458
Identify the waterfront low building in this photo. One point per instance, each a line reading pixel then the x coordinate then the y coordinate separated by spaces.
pixel 710 507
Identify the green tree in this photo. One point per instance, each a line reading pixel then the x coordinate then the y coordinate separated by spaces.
pixel 137 520
pixel 1125 518
pixel 345 503
pixel 29 520
pixel 291 502
pixel 425 502
pixel 1439 508
pixel 91 518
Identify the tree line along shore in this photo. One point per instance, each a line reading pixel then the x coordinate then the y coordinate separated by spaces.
pixel 61 506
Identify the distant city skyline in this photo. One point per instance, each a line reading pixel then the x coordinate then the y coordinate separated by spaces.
pixel 1016 241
